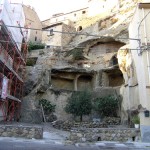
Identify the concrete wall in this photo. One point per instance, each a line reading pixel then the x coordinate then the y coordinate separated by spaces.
pixel 32 21
pixel 140 30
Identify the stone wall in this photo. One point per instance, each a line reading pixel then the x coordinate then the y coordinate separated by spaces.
pixel 104 134
pixel 53 39
pixel 33 21
pixel 21 131
pixel 66 38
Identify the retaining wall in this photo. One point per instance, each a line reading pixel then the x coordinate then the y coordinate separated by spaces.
pixel 104 134
pixel 21 131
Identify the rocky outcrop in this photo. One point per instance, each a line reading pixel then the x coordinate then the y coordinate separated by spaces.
pixel 97 70
pixel 129 91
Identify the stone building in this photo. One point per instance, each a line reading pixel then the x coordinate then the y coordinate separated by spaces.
pixel 57 38
pixel 32 21
pixel 72 16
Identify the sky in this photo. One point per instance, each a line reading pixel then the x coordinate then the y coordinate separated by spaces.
pixel 46 8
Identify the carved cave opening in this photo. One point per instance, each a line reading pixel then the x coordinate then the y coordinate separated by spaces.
pixel 73 81
pixel 62 83
pixel 85 82
pixel 112 78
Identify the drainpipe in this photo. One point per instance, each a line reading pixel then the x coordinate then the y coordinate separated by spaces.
pixel 145 40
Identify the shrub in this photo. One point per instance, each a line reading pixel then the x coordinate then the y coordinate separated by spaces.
pixel 47 106
pixel 79 104
pixel 77 54
pixel 107 106
pixel 35 46
pixel 136 119
pixel 31 61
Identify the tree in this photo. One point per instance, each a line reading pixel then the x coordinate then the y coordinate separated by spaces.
pixel 79 104
pixel 107 106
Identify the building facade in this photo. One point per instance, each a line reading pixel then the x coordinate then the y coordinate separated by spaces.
pixel 64 17
pixel 51 38
pixel 32 21
pixel 13 51
pixel 139 33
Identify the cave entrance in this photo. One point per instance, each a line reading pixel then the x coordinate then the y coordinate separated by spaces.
pixel 112 76
pixel 85 82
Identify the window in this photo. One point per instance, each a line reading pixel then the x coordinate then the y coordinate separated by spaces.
pixel 35 38
pixel 83 12
pixel 51 31
pixel 79 28
pixel 74 15
pixel 36 32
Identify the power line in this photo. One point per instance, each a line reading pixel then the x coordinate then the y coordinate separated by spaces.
pixel 62 32
pixel 71 48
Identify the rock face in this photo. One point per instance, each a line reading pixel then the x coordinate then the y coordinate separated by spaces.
pixel 31 112
pixel 59 70
pixel 129 91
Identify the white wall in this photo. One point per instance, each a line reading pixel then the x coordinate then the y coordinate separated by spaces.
pixel 9 15
pixel 140 30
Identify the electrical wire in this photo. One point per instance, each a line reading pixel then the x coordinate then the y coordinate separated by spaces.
pixel 74 33
pixel 53 46
pixel 61 47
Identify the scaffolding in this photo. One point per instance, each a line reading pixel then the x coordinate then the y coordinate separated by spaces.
pixel 12 68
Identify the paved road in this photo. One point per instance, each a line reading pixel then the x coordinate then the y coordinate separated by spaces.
pixel 6 144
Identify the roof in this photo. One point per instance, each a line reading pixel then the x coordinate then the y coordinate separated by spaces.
pixel 144 5
pixel 66 13
pixel 53 25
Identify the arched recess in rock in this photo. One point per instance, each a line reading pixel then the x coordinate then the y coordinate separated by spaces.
pixel 114 60
pixel 85 82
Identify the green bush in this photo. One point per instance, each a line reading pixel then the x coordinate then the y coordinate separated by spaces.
pixel 79 104
pixel 35 46
pixel 31 61
pixel 47 106
pixel 136 119
pixel 107 106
